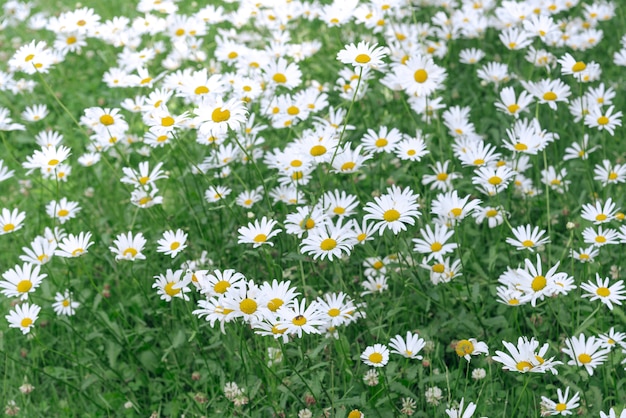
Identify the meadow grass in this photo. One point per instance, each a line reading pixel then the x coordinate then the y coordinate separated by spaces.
pixel 158 336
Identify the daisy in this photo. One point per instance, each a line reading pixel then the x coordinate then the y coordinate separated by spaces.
pixel 525 239
pixel 373 284
pixel 74 245
pixel 330 240
pixel 613 339
pixel 393 210
pixel 600 237
pixel 563 406
pixel 363 55
pixel 612 413
pixel 348 161
pixel 434 242
pixel 525 358
pixel 609 174
pixel 470 347
pixel 384 140
pixel 128 247
pixel 281 73
pixel 217 116
pixel 493 215
pixel 411 148
pixel 579 149
pixel 172 242
pixel 278 294
pixel 32 58
pixel 41 251
pixel 216 193
pixel 339 203
pixel 248 198
pixel 511 105
pixel 442 271
pixel 247 302
pixel 219 282
pixel 63 210
pixel 598 213
pixel 492 180
pixel 451 209
pixel 23 317
pixel 297 318
pixel 608 295
pixel 408 347
pixel 548 91
pixel 460 413
pixel 420 76
pixel 144 198
pixel 20 281
pixel 585 352
pixel 11 221
pixel 603 119
pixel 5 172
pixel 143 176
pixel 569 66
pixel 258 233
pixel 64 303
pixel 337 308
pixel 376 355
pixel 471 56
pixel 441 179
pixel 35 113
pixel 585 255
pixel 173 284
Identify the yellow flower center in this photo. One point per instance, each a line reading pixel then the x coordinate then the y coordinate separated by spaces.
pixel 436 246
pixel 348 166
pixel 318 150
pixel 600 239
pixel 70 40
pixel 274 304
pixel 328 244
pixel 603 292
pixel 362 58
pixel 420 76
pixel 381 142
pixel 232 55
pixel 167 121
pixel 612 175
pixel 456 212
pixel 523 366
pixel 584 358
pixel 169 289
pixel 65 303
pixel 77 252
pixel 528 243
pixel 293 110
pixel 130 251
pixel 220 115
pixel 299 321
pixel 201 90
pixel 603 120
pixel 579 66
pixel 464 347
pixel 538 283
pixel 378 265
pixel 260 238
pixel 442 176
pixel 221 286
pixel 375 358
pixel 495 180
pixel 391 215
pixel 520 146
pixel 439 268
pixel 26 322
pixel 491 213
pixel 24 286
pixel 248 306
pixel 180 32
pixel 560 407
pixel 339 210
pixel 174 245
pixel 107 120
pixel 601 217
pixel 279 78
pixel 549 96
pixel 333 312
